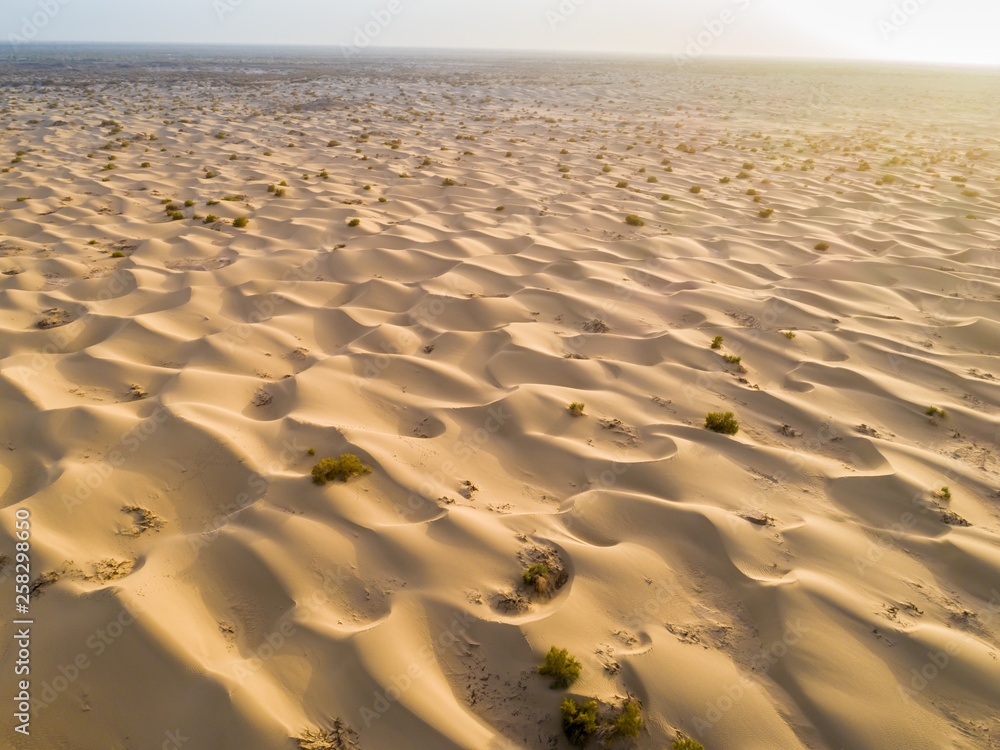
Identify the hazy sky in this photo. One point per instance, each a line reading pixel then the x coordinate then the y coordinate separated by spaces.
pixel 952 31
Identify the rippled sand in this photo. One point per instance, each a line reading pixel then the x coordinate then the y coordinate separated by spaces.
pixel 805 583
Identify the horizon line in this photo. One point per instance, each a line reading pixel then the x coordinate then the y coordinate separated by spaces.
pixel 374 50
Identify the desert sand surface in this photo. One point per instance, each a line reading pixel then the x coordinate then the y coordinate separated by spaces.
pixel 169 379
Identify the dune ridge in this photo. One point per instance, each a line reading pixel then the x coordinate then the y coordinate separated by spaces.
pixel 168 385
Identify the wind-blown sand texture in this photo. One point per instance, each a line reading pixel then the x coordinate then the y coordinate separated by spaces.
pixel 805 583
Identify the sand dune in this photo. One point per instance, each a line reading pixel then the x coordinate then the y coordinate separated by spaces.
pixel 169 384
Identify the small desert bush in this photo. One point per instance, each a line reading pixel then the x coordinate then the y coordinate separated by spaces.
pixel 537 577
pixel 933 411
pixel 687 744
pixel 382 199
pixel 622 184
pixel 765 213
pixel 722 422
pixel 188 203
pixel 717 342
pixel 789 334
pixel 724 180
pixel 240 221
pixel 732 359
pixel 211 219
pixel 606 168
pixel 447 182
pixel 822 246
pixel 944 493
pixel 117 254
pixel 343 468
pixel 628 723
pixel 633 220
pixel 145 165
pixel 695 189
pixel 576 409
pixel 354 222
pixel 579 722
pixel 561 667
pixel 233 157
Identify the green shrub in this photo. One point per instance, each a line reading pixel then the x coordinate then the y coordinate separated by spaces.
pixel 579 722
pixel 724 180
pixel 188 203
pixel 944 493
pixel 633 220
pixel 382 199
pixel 822 246
pixel 563 668
pixel 723 422
pixel 353 222
pixel 789 334
pixel 628 723
pixel 695 189
pixel 448 182
pixel 933 411
pixel 622 184
pixel 240 221
pixel 717 342
pixel 576 409
pixel 606 168
pixel 765 213
pixel 332 144
pixel 343 468
pixel 233 157
pixel 21 200
pixel 211 218
pixel 117 254
pixel 145 165
pixel 732 359
pixel 687 744
pixel 652 179
pixel 537 577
